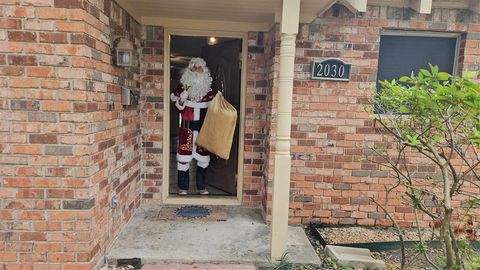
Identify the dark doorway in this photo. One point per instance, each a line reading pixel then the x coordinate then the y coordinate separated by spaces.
pixel 223 57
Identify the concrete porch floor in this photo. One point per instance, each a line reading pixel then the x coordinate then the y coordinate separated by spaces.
pixel 242 239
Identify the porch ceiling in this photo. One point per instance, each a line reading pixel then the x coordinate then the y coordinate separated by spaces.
pixel 230 15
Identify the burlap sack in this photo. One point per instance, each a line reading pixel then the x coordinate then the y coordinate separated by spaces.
pixel 216 134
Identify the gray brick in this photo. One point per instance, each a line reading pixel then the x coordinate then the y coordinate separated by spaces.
pixel 376 215
pixel 24 105
pixel 13 160
pixel 153 150
pixel 474 36
pixel 303 199
pixel 361 173
pixel 347 221
pixel 79 204
pixel 58 150
pixel 380 173
pixel 42 117
pixel 357 201
pixel 342 186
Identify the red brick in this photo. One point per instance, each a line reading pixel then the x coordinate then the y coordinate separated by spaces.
pixel 74 27
pixel 44 72
pixel 37 3
pixel 10 23
pixel 8 256
pixel 10 2
pixel 32 236
pixel 61 215
pixel 22 36
pixel 43 138
pixel 18 12
pixel 55 84
pixel 47 25
pixel 39 48
pixel 52 13
pixel 48 226
pixel 69 4
pixel 23 83
pixel 47 247
pixel 11 71
pixel 32 215
pixel 77 267
pixel 26 149
pixel 48 37
pixel 17 182
pixel 22 60
pixel 30 194
pixel 47 266
pixel 57 106
pixel 61 257
pixel 60 193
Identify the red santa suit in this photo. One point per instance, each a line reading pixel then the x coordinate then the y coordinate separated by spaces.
pixel 191 99
pixel 192 115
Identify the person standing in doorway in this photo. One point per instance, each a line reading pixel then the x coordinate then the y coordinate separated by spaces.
pixel 191 99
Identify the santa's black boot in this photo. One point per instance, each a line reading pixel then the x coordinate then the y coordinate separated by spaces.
pixel 201 174
pixel 183 182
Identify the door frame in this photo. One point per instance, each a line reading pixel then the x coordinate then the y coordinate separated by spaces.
pixel 220 200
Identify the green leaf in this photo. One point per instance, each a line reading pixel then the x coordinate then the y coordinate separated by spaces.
pixel 404 79
pixel 471 75
pixel 425 72
pixel 443 76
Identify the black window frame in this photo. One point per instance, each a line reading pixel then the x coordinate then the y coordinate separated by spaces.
pixel 407 33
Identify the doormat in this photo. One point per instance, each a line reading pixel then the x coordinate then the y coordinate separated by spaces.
pixel 192 213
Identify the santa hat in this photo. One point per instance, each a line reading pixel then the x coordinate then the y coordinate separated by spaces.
pixel 197 62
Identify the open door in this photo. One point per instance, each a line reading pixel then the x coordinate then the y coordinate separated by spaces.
pixel 223 59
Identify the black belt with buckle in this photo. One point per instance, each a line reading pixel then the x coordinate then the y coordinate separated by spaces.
pixel 193 125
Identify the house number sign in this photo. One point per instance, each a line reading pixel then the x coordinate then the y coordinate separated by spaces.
pixel 331 69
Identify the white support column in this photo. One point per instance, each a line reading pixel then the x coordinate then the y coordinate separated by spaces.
pixel 281 180
pixel 421 6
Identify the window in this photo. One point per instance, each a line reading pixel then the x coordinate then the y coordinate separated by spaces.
pixel 402 53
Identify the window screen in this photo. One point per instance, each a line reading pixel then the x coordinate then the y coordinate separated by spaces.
pixel 400 55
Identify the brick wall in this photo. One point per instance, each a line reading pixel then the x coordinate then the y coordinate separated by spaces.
pixel 273 52
pixel 331 131
pixel 115 128
pixel 152 113
pixel 255 119
pixel 66 143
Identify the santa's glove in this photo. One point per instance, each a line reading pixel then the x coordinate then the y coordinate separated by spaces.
pixel 180 105
pixel 183 96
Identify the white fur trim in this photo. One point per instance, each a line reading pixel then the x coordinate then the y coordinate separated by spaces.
pixel 199 105
pixel 184 158
pixel 197 62
pixel 195 135
pixel 180 107
pixel 183 167
pixel 202 164
pixel 200 158
pixel 196 114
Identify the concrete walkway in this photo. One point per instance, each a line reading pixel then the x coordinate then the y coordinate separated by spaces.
pixel 242 239
pixel 197 267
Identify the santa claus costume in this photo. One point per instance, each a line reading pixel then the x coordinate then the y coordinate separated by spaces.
pixel 191 99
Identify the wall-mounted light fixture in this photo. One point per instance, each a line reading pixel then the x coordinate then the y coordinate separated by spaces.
pixel 125 55
pixel 212 40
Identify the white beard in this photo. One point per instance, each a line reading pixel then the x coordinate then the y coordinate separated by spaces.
pixel 199 84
